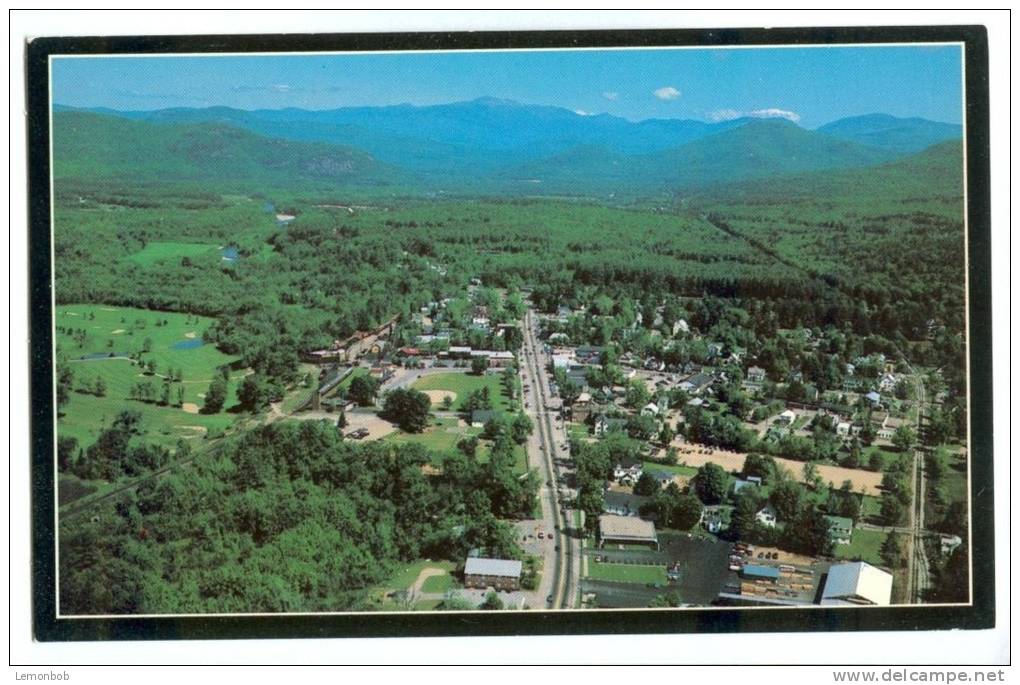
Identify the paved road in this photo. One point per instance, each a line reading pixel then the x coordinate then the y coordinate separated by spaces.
pixel 549 451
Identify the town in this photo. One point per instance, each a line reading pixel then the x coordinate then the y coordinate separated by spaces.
pixel 675 469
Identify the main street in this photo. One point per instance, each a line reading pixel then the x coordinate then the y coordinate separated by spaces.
pixel 549 451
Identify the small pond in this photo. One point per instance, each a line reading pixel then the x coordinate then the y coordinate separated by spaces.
pixel 189 344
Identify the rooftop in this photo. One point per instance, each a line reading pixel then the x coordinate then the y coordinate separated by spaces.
pixel 624 527
pixel 478 566
pixel 857 583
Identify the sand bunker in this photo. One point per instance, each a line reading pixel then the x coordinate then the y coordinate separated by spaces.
pixel 190 407
pixel 190 334
pixel 198 431
pixel 117 332
pixel 437 396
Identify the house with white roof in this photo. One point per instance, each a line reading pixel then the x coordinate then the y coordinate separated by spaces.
pixel 766 516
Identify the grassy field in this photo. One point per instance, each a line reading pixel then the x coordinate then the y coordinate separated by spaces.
pixel 443 434
pixel 159 251
pixel 441 583
pixel 865 545
pixel 871 507
pixel 463 384
pixel 403 580
pixel 123 332
pixel 355 372
pixel 686 471
pixel 626 573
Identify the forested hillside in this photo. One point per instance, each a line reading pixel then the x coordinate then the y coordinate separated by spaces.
pixel 98 146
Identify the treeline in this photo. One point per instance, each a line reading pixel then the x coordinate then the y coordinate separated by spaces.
pixel 286 518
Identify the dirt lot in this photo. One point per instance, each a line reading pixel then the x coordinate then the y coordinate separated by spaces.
pixel 437 396
pixel 377 428
pixel 695 455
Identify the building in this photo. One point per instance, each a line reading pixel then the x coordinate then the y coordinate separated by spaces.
pixel 627 474
pixel 756 374
pixel 712 519
pixel 588 354
pixel 502 574
pixel 766 516
pixel 696 383
pixel 561 361
pixel 650 409
pixel 480 417
pixel 628 530
pixel 604 425
pixel 496 359
pixel 841 529
pixel 768 574
pixel 874 398
pixel 582 408
pixel 786 418
pixel 622 503
pixel 741 483
pixel 949 543
pixel 857 584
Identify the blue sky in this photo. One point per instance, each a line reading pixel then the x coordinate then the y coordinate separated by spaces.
pixel 809 85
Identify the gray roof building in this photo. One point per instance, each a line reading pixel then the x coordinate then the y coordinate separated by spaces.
pixel 479 566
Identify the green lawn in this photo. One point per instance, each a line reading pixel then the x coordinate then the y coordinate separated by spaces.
pixel 443 434
pixel 626 573
pixel 686 471
pixel 438 583
pixel 463 384
pixel 865 545
pixel 158 252
pixel 404 577
pixel 871 507
pixel 122 332
pixel 355 372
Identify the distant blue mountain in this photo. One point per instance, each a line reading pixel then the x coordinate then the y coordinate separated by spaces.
pixel 892 133
pixel 497 144
pixel 470 137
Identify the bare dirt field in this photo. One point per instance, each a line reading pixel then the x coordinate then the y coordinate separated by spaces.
pixel 190 407
pixel 698 455
pixel 377 427
pixel 437 396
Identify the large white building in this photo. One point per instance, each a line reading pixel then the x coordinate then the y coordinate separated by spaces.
pixel 857 584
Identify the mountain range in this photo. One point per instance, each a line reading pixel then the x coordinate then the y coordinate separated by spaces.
pixel 486 143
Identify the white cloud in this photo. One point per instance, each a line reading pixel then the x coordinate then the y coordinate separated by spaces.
pixel 768 113
pixel 667 93
pixel 583 113
pixel 610 95
pixel 280 87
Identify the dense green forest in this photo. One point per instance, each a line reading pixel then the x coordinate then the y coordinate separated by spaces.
pixel 285 518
